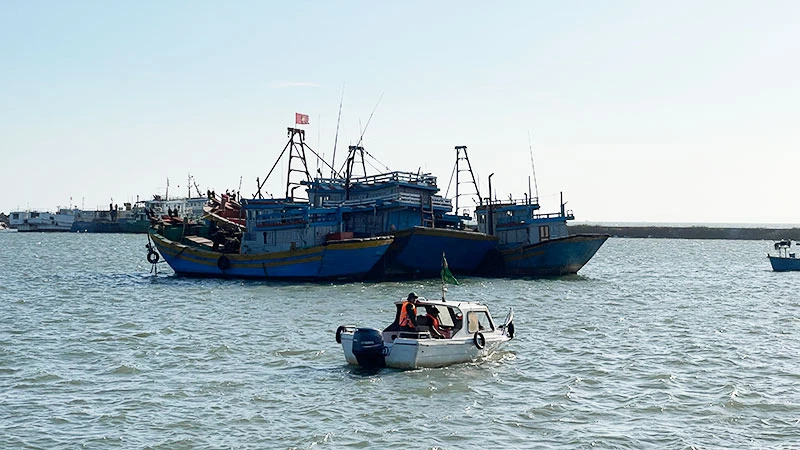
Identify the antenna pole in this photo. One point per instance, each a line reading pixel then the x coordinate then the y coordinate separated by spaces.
pixel 336 138
pixel 530 148
pixel 361 138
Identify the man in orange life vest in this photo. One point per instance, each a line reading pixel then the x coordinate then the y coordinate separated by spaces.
pixel 408 313
pixel 434 324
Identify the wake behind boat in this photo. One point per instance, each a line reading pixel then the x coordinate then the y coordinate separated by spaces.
pixel 784 261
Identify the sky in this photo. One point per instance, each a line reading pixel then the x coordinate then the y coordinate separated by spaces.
pixel 668 112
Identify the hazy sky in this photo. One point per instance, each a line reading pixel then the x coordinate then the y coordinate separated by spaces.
pixel 680 111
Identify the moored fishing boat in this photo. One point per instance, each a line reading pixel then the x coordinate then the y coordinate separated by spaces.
pixel 39 221
pixel 130 218
pixel 264 238
pixel 533 244
pixel 784 261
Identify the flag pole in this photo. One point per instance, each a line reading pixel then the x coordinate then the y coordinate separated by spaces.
pixel 443 266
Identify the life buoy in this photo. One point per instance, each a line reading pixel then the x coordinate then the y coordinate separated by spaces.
pixel 510 330
pixel 479 340
pixel 152 256
pixel 223 263
pixel 339 332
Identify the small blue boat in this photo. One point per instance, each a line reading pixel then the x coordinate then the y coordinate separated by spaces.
pixel 785 261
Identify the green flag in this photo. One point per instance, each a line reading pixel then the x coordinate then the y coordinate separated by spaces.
pixel 447 276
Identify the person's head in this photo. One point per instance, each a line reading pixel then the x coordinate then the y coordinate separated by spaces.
pixel 432 310
pixel 412 297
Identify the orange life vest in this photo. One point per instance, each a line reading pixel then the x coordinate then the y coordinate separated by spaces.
pixel 434 321
pixel 405 321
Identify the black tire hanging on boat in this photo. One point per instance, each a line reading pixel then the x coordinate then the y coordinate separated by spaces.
pixel 479 340
pixel 223 263
pixel 152 256
pixel 339 332
pixel 510 329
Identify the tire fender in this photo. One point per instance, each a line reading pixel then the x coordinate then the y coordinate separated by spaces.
pixel 479 340
pixel 223 263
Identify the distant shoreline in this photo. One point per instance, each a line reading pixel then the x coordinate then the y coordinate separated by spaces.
pixel 756 233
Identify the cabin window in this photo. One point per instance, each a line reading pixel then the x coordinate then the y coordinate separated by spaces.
pixel 544 232
pixel 478 321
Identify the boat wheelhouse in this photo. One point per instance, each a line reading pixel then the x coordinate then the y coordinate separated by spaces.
pixel 407 206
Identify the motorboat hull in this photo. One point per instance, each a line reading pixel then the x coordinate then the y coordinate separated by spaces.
pixel 405 353
pixel 784 264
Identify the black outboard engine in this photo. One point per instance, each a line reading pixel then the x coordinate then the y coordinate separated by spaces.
pixel 368 347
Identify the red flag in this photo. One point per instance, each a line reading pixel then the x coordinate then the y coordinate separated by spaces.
pixel 301 119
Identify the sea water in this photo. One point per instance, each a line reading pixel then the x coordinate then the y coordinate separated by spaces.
pixel 657 343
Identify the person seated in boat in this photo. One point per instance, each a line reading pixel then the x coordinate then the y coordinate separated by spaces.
pixel 408 313
pixel 434 325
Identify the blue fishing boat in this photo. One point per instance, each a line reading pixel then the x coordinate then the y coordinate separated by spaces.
pixel 784 261
pixel 407 206
pixel 532 243
pixel 265 238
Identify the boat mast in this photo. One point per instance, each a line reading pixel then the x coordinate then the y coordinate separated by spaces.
pixel 297 157
pixel 463 158
pixel 354 151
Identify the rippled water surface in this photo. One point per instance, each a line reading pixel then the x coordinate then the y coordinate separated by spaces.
pixel 656 344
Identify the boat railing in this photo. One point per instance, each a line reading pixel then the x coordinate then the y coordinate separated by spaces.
pixel 533 201
pixel 403 177
pixel 400 197
pixel 521 220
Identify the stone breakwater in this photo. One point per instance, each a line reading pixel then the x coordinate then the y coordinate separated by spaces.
pixel 689 232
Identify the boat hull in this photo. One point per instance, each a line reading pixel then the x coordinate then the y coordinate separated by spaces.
pixel 406 353
pixel 784 264
pixel 336 260
pixel 555 257
pixel 137 226
pixel 418 252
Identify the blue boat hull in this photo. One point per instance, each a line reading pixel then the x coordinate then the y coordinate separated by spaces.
pixel 336 260
pixel 784 264
pixel 418 251
pixel 555 257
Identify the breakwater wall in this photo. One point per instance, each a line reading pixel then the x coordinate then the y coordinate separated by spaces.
pixel 689 232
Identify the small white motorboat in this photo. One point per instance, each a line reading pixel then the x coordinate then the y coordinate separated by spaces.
pixel 467 332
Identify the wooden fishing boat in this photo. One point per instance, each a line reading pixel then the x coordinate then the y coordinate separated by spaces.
pixel 265 238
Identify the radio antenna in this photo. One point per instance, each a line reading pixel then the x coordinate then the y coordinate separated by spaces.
pixel 533 169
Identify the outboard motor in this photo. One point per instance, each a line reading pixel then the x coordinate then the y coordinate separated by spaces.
pixel 368 347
